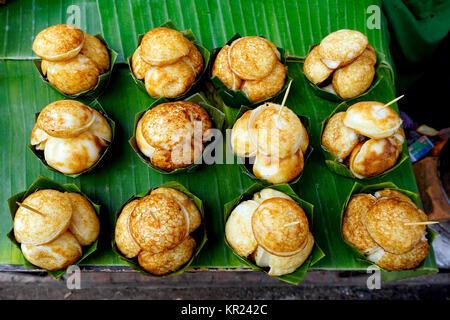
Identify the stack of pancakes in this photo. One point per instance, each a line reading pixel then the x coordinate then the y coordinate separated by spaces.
pixel 71 135
pixel 251 64
pixel 71 59
pixel 377 226
pixel 346 59
pixel 368 137
pixel 271 228
pixel 157 228
pixel 167 62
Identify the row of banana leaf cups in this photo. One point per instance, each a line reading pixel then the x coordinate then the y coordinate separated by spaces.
pixel 218 118
pixel 200 234
pixel 232 98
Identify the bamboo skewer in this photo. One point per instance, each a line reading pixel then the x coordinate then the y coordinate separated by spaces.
pixel 421 223
pixel 390 102
pixel 283 102
pixel 292 223
pixel 30 208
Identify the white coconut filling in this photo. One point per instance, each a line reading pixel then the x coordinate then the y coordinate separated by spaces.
pixel 375 254
pixel 331 63
pixel 329 88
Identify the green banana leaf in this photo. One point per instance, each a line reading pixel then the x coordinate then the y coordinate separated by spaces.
pixel 199 235
pixel 204 52
pixel 294 25
pixel 386 275
pixel 247 168
pixel 340 168
pixel 102 83
pixel 97 106
pixel 238 98
pixel 217 118
pixel 316 254
pixel 45 183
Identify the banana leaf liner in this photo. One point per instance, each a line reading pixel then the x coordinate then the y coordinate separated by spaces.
pixel 246 165
pixel 316 254
pixel 199 234
pixel 97 106
pixel 340 168
pixel 381 63
pixel 428 266
pixel 204 52
pixel 238 98
pixel 46 183
pixel 217 118
pixel 102 83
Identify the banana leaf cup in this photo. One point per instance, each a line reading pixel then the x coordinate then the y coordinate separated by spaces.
pixel 316 254
pixel 339 167
pixel 246 164
pixel 238 98
pixel 428 266
pixel 322 93
pixel 97 106
pixel 46 183
pixel 199 234
pixel 217 118
pixel 198 79
pixel 98 89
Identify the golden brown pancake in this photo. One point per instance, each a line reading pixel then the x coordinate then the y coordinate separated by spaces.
pixel 38 137
pixel 138 65
pixel 95 50
pixel 74 75
pixel 240 140
pixel 385 222
pixel 55 255
pixel 373 157
pixel 163 46
pixel 341 47
pixel 269 193
pixel 124 241
pixel 65 118
pixel 199 117
pixel 221 69
pixel 353 229
pixel 409 260
pixel 339 139
pixel 167 261
pixel 251 58
pixel 195 219
pixel 194 59
pixel 314 69
pixel 355 78
pixel 372 120
pixel 157 223
pixel 101 128
pixel 34 229
pixel 268 86
pixel 389 193
pixel 280 226
pixel 238 229
pixel 181 156
pixel 275 170
pixel 59 42
pixel 73 155
pixel 169 81
pixel 85 225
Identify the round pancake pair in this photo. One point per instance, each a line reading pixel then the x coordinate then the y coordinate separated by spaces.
pixel 276 137
pixel 376 225
pixel 53 238
pixel 368 134
pixel 251 64
pixel 71 135
pixel 272 229
pixel 172 134
pixel 345 58
pixel 156 229
pixel 71 59
pixel 167 62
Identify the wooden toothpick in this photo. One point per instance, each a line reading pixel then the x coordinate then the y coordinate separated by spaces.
pixel 421 223
pixel 29 208
pixel 390 102
pixel 292 223
pixel 284 101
